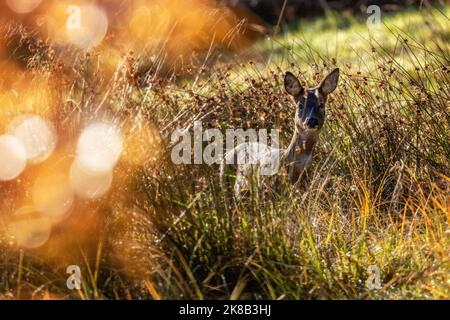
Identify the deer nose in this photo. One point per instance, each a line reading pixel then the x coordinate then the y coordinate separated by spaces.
pixel 312 123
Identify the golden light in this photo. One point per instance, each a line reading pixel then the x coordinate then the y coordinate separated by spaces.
pixel 87 184
pixel 29 228
pixel 52 193
pixel 13 157
pixel 25 93
pixel 99 148
pixel 23 6
pixel 157 15
pixel 37 136
pixel 177 29
pixel 141 143
pixel 78 231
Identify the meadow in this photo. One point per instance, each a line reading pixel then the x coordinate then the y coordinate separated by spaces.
pixel 378 197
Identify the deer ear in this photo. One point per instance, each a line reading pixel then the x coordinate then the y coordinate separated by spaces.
pixel 292 85
pixel 329 84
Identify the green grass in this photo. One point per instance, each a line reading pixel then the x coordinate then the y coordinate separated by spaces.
pixel 379 182
pixel 349 40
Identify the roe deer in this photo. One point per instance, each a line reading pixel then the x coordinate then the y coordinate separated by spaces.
pixel 309 120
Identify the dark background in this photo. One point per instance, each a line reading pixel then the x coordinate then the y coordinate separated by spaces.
pixel 270 10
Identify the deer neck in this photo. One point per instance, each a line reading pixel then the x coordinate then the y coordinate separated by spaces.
pixel 302 143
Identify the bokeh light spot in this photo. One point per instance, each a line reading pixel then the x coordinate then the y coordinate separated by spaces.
pixel 92 28
pixel 99 148
pixel 29 228
pixel 37 136
pixel 13 157
pixel 23 6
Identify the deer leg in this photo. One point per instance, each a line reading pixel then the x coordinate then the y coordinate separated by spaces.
pixel 294 171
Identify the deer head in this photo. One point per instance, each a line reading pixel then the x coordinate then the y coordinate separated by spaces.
pixel 309 119
pixel 310 103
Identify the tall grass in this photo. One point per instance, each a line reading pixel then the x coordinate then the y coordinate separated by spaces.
pixel 378 193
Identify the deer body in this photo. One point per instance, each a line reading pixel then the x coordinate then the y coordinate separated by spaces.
pixel 309 120
pixel 298 156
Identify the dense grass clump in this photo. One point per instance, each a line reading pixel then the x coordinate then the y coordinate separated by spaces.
pixel 378 193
